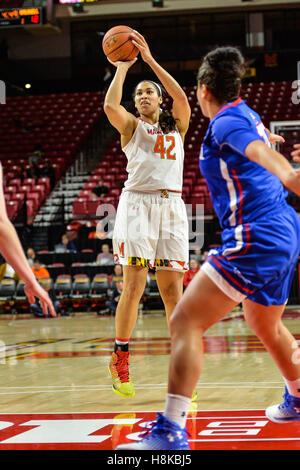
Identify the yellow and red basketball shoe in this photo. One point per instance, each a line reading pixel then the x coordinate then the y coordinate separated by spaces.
pixel 119 371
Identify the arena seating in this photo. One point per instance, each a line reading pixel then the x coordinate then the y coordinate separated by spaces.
pixel 78 281
pixel 273 101
pixel 79 291
pixel 89 292
pixel 61 123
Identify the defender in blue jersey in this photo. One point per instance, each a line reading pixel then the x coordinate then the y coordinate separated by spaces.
pixel 254 265
pixel 261 232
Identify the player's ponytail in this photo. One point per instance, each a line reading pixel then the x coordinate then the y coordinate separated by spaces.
pixel 221 71
pixel 166 121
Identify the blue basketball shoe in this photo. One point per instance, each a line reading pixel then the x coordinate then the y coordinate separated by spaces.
pixel 163 435
pixel 287 411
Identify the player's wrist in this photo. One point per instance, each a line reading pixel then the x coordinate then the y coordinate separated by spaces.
pixel 150 61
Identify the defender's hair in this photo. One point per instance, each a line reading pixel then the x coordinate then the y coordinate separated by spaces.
pixel 221 71
pixel 166 121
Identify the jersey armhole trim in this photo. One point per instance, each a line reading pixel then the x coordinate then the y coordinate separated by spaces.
pixel 124 149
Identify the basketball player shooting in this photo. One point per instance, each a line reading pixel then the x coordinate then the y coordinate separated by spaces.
pixel 153 145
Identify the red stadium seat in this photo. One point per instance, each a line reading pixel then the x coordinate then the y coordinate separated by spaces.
pixel 79 207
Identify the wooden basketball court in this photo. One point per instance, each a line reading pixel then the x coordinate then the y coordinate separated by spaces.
pixel 55 389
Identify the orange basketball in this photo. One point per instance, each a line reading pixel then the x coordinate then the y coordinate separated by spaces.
pixel 117 44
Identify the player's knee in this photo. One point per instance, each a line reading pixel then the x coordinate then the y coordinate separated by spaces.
pixel 266 331
pixel 133 289
pixel 181 319
pixel 170 293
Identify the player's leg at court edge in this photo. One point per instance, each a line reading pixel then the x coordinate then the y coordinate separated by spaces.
pixel 170 285
pixel 202 305
pixel 134 281
pixel 266 323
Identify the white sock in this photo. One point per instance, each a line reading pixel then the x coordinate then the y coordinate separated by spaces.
pixel 177 408
pixel 293 387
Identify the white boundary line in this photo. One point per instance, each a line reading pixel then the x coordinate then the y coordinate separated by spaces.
pixel 138 411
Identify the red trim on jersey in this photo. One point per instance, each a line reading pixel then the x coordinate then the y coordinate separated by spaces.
pixel 240 191
pixel 229 105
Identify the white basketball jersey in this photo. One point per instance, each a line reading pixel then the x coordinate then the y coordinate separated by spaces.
pixel 155 160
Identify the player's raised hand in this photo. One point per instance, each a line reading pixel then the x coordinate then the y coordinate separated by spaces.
pixel 296 153
pixel 126 64
pixel 139 41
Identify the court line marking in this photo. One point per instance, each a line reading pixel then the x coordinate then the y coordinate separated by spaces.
pixel 199 384
pixel 103 388
pixel 140 411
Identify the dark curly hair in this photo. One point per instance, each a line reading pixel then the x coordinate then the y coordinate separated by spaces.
pixel 166 121
pixel 221 71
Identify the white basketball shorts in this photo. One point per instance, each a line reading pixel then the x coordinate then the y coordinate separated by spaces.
pixel 151 230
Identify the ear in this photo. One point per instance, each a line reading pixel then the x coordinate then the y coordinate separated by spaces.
pixel 206 94
pixel 160 100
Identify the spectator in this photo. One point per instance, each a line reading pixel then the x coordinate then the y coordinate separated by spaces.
pixel 118 272
pixel 66 245
pixel 112 303
pixel 49 172
pixel 37 154
pixel 190 273
pixel 33 171
pixel 30 256
pixel 197 255
pixel 39 271
pixel 105 258
pixel 36 308
pixel 100 190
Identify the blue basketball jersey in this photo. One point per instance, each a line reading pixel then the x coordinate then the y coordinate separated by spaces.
pixel 241 190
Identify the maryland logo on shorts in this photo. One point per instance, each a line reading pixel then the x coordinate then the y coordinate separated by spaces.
pixel 121 249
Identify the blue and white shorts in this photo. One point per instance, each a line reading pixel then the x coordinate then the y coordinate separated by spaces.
pixel 261 266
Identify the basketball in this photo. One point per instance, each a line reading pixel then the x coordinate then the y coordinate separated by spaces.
pixel 117 44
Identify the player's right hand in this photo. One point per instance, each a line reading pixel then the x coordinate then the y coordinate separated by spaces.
pixel 35 290
pixel 296 153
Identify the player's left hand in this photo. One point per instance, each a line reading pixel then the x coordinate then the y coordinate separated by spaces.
pixel 296 153
pixel 275 138
pixel 124 64
pixel 140 42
